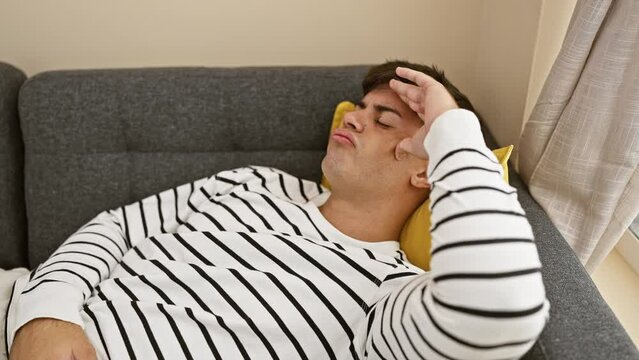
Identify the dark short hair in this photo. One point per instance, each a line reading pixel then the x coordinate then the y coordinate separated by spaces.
pixel 380 75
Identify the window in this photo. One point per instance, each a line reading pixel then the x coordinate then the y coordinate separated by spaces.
pixel 634 227
pixel 628 245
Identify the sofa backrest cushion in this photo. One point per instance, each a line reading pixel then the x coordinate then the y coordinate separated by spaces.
pixel 98 139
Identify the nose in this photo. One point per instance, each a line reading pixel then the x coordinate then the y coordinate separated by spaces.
pixel 354 120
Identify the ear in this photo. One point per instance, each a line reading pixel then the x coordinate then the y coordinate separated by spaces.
pixel 420 180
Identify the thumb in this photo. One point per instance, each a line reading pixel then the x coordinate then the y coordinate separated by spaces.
pixel 84 352
pixel 403 148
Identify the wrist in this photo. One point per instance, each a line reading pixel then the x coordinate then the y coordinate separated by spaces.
pixel 455 129
pixel 44 323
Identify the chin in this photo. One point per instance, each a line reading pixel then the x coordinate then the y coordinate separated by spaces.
pixel 323 166
pixel 328 165
pixel 333 168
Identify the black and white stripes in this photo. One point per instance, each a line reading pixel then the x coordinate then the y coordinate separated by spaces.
pixel 243 265
pixel 485 298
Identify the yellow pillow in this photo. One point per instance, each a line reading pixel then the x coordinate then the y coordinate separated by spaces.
pixel 415 237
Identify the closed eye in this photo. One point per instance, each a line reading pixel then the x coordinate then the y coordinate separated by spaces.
pixel 382 125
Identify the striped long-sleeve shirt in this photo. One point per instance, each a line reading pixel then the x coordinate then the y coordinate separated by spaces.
pixel 243 265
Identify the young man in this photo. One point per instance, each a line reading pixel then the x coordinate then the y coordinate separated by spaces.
pixel 255 263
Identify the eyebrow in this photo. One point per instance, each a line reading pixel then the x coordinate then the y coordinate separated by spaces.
pixel 379 108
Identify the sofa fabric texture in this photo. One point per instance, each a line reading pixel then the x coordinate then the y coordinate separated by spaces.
pixel 13 246
pixel 582 325
pixel 98 139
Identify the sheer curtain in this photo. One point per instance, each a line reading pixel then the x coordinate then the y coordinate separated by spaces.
pixel 580 148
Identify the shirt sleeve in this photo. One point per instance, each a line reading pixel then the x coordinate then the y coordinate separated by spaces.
pixel 484 297
pixel 58 287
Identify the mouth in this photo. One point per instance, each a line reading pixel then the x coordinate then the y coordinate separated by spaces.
pixel 343 137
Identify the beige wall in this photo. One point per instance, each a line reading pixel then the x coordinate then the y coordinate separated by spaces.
pixel 498 51
pixel 518 42
pixel 63 34
pixel 505 49
pixel 554 21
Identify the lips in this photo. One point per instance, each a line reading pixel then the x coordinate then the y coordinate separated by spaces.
pixel 343 135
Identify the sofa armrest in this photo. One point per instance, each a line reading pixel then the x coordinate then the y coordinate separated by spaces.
pixel 581 325
pixel 13 224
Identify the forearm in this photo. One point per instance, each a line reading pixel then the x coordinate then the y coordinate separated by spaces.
pixel 484 297
pixel 59 287
pixel 484 258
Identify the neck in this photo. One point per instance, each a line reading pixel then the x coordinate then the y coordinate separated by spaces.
pixel 367 219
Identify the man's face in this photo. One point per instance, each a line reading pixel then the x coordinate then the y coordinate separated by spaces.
pixel 361 153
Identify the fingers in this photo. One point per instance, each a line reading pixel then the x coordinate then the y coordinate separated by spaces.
pixel 411 92
pixel 408 95
pixel 428 98
pixel 417 77
pixel 416 107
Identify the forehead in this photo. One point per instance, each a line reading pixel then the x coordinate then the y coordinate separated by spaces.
pixel 384 93
pixel 385 96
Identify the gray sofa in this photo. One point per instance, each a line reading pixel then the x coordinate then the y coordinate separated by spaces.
pixel 73 143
